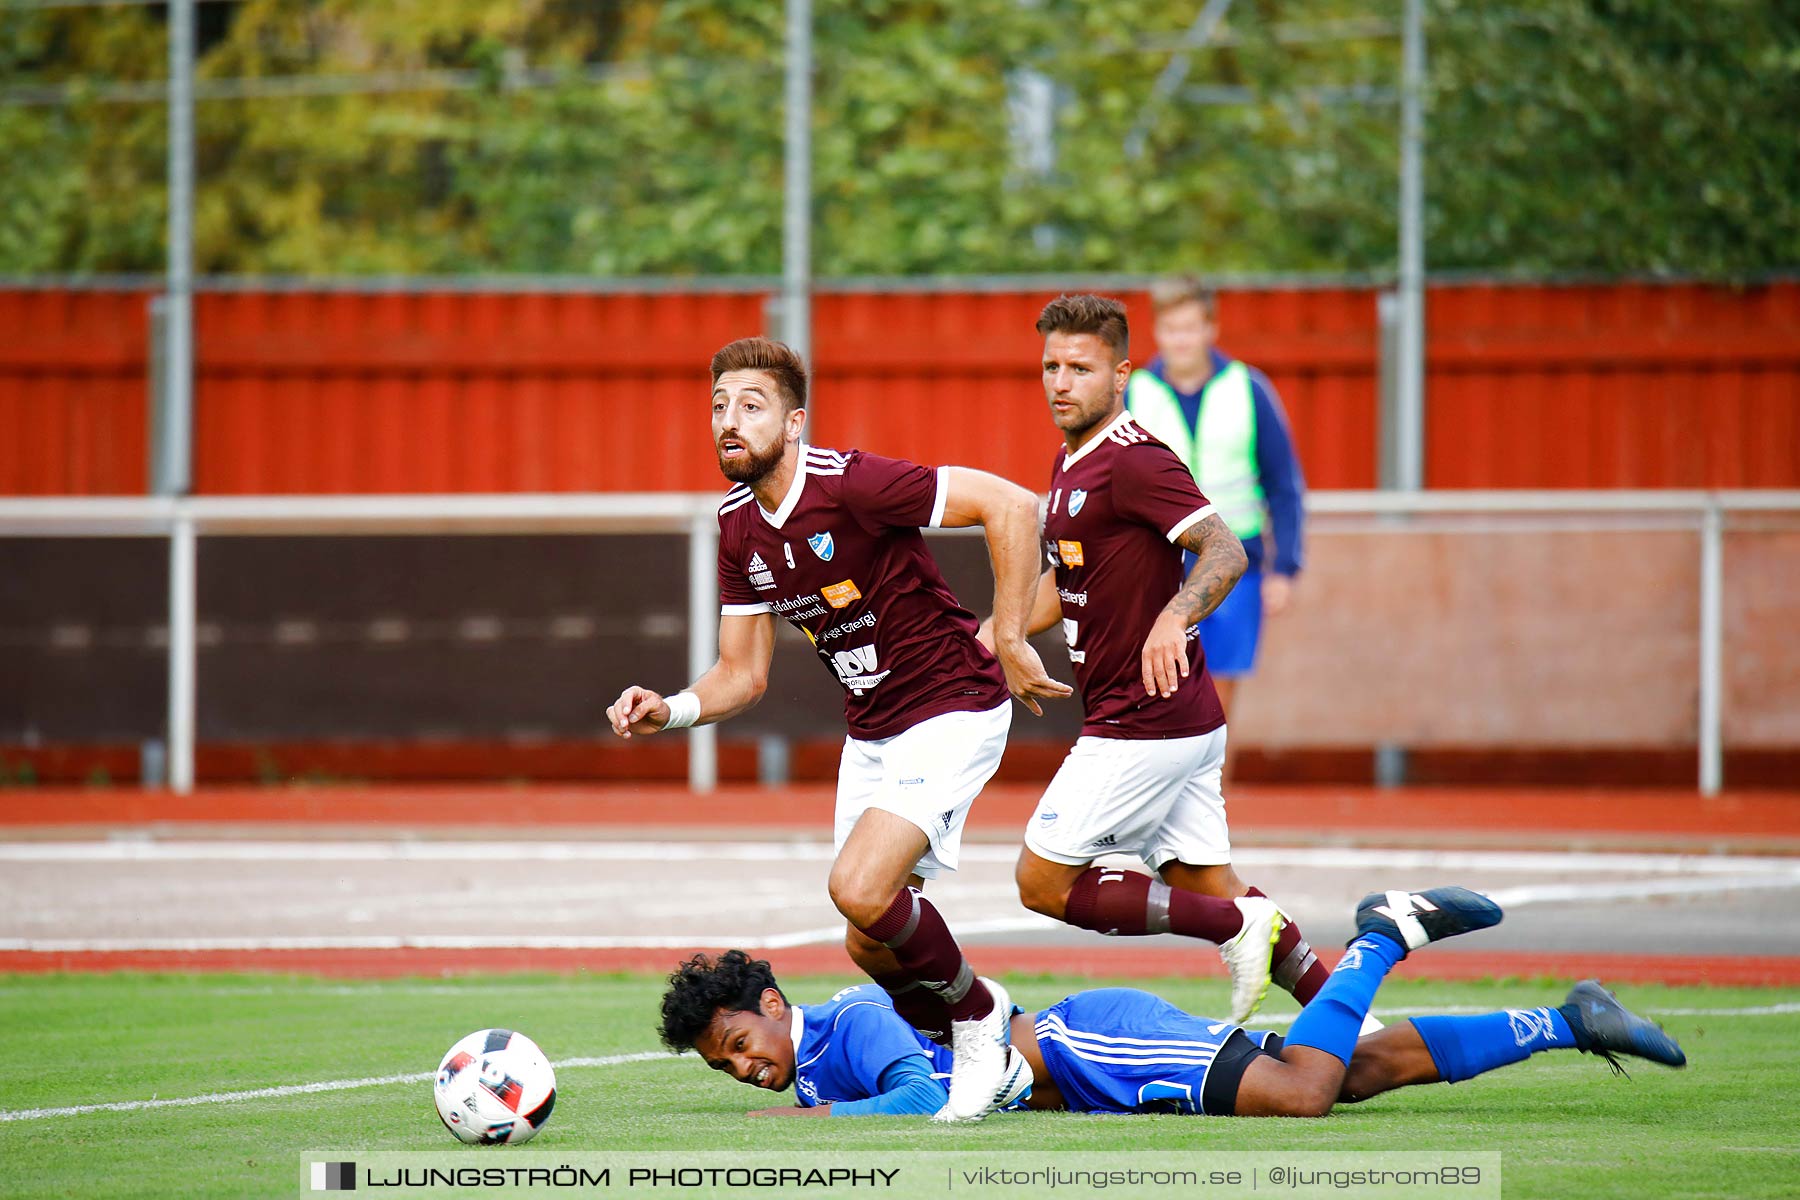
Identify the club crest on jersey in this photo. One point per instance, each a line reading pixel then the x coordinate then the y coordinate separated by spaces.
pixel 822 546
pixel 1077 498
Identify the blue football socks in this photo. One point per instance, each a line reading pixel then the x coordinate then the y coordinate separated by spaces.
pixel 1334 1017
pixel 1464 1047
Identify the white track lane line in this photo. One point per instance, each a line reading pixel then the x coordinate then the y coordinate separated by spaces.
pixel 1326 858
pixel 342 1085
pixel 297 1089
pixel 820 936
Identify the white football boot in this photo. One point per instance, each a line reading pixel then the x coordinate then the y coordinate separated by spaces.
pixel 1250 956
pixel 985 1072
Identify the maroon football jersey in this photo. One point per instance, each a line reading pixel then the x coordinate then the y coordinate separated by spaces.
pixel 1116 507
pixel 843 560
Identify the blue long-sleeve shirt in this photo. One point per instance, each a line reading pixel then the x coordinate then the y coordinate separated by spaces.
pixel 856 1054
pixel 1277 466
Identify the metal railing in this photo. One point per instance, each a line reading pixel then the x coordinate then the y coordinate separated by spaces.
pixel 184 520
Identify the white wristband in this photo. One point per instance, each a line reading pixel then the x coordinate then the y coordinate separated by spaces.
pixel 684 710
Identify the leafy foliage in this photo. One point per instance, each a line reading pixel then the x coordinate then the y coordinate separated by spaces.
pixel 624 137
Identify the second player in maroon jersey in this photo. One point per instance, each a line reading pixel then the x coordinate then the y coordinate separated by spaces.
pixel 1145 776
pixel 1118 506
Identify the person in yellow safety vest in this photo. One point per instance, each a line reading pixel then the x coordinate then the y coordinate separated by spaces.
pixel 1223 419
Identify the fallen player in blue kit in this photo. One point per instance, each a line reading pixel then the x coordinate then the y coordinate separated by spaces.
pixel 1124 1050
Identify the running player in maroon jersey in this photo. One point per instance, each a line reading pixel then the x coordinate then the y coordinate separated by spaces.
pixel 1144 777
pixel 830 541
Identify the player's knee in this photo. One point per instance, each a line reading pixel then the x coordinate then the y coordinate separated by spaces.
pixel 856 900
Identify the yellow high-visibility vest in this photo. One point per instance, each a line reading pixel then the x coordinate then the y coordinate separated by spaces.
pixel 1222 453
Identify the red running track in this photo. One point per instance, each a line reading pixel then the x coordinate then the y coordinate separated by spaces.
pixel 1549 816
pixel 1098 963
pixel 1545 817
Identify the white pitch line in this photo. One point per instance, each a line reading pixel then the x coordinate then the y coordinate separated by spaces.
pixel 296 1089
pixel 1325 858
pixel 1522 897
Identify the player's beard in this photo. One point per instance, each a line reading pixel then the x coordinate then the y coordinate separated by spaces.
pixel 1082 421
pixel 754 467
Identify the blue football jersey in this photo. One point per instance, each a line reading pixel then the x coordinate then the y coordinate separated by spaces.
pixel 841 1047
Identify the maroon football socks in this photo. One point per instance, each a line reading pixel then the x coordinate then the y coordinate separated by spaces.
pixel 928 954
pixel 917 1004
pixel 1297 968
pixel 1129 904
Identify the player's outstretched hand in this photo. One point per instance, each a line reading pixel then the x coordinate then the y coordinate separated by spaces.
pixel 1165 658
pixel 637 710
pixel 1027 680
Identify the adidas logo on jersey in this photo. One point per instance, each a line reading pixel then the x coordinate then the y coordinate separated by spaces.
pixel 761 578
pixel 1127 434
pixel 757 563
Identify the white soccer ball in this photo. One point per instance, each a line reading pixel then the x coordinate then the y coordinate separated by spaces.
pixel 495 1086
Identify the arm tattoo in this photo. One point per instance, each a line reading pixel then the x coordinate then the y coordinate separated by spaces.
pixel 1221 561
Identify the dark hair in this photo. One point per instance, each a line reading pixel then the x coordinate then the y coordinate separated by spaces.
pixel 1183 289
pixel 761 354
pixel 1088 314
pixel 701 986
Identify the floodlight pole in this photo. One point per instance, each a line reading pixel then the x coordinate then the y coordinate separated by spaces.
pixel 796 209
pixel 173 474
pixel 1409 431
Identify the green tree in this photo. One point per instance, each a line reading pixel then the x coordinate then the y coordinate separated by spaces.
pixel 623 137
pixel 1616 136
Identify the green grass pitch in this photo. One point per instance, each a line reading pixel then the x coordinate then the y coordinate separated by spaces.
pixel 1566 1126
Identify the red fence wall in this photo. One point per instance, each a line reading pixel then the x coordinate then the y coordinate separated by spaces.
pixel 1631 386
pixel 331 391
pixel 954 377
pixel 72 411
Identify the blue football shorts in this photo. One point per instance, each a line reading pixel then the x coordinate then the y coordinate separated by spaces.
pixel 1230 635
pixel 1124 1050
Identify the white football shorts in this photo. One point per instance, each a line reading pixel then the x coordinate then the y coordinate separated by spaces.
pixel 929 775
pixel 1158 799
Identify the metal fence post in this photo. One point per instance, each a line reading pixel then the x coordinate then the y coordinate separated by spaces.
pixel 796 200
pixel 173 416
pixel 1712 647
pixel 182 665
pixel 173 432
pixel 1409 433
pixel 703 641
